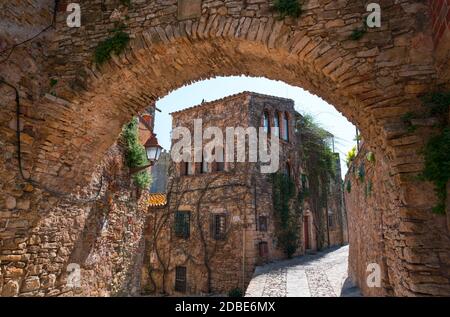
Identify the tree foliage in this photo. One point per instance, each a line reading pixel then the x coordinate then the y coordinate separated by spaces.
pixel 436 152
pixel 351 155
pixel 286 219
pixel 320 164
pixel 135 154
pixel 437 166
pixel 290 8
pixel 115 44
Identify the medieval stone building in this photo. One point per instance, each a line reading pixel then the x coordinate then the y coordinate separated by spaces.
pixel 220 219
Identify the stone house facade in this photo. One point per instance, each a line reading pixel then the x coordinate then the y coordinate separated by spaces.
pixel 219 221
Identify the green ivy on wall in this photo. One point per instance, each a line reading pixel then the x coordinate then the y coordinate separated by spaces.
pixel 362 172
pixel 287 221
pixel 115 44
pixel 437 166
pixel 358 33
pixel 320 166
pixel 135 155
pixel 349 187
pixel 286 8
pixel 370 157
pixel 437 150
pixel 126 3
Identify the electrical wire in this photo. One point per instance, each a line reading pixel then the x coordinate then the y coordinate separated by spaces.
pixel 11 49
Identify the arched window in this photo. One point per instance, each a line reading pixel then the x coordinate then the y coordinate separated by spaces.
pixel 285 134
pixel 266 122
pixel 276 124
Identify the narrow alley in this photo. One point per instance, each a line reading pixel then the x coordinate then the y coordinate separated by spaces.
pixel 323 274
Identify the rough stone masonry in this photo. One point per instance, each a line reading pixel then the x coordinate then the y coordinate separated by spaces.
pixel 67 124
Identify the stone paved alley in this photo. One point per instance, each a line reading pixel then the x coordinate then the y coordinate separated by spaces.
pixel 323 274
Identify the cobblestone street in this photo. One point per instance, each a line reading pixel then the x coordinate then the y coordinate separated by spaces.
pixel 323 274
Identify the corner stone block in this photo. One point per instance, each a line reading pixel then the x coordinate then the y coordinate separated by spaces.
pixel 189 9
pixel 10 289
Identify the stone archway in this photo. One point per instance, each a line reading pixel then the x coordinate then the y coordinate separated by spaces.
pixel 372 81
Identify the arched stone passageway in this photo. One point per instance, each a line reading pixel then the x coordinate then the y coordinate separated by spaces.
pixel 69 126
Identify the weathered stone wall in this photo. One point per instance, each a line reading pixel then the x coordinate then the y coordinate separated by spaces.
pixel 376 224
pixel 440 15
pixel 373 81
pixel 338 229
pixel 101 235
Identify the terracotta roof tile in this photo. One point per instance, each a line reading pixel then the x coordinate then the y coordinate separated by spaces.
pixel 157 200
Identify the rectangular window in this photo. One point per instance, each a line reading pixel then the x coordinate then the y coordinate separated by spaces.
pixel 219 226
pixel 182 224
pixel 180 279
pixel 262 223
pixel 330 220
pixel 263 249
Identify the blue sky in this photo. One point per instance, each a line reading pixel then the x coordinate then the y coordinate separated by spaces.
pixel 325 114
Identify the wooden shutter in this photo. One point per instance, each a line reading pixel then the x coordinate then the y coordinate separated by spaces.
pixel 182 224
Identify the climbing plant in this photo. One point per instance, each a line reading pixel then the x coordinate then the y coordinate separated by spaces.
pixel 362 172
pixel 351 155
pixel 437 166
pixel 370 157
pixel 358 33
pixel 407 120
pixel 436 152
pixel 320 164
pixel 286 8
pixel 286 219
pixel 135 154
pixel 349 187
pixel 115 44
pixel 126 3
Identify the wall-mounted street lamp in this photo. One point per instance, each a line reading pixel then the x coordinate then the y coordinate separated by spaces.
pixel 153 151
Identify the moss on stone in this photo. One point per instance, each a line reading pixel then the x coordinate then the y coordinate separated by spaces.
pixel 115 44
pixel 286 8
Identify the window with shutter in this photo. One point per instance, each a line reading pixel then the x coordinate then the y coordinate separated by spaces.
pixel 219 226
pixel 182 224
pixel 330 220
pixel 180 279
